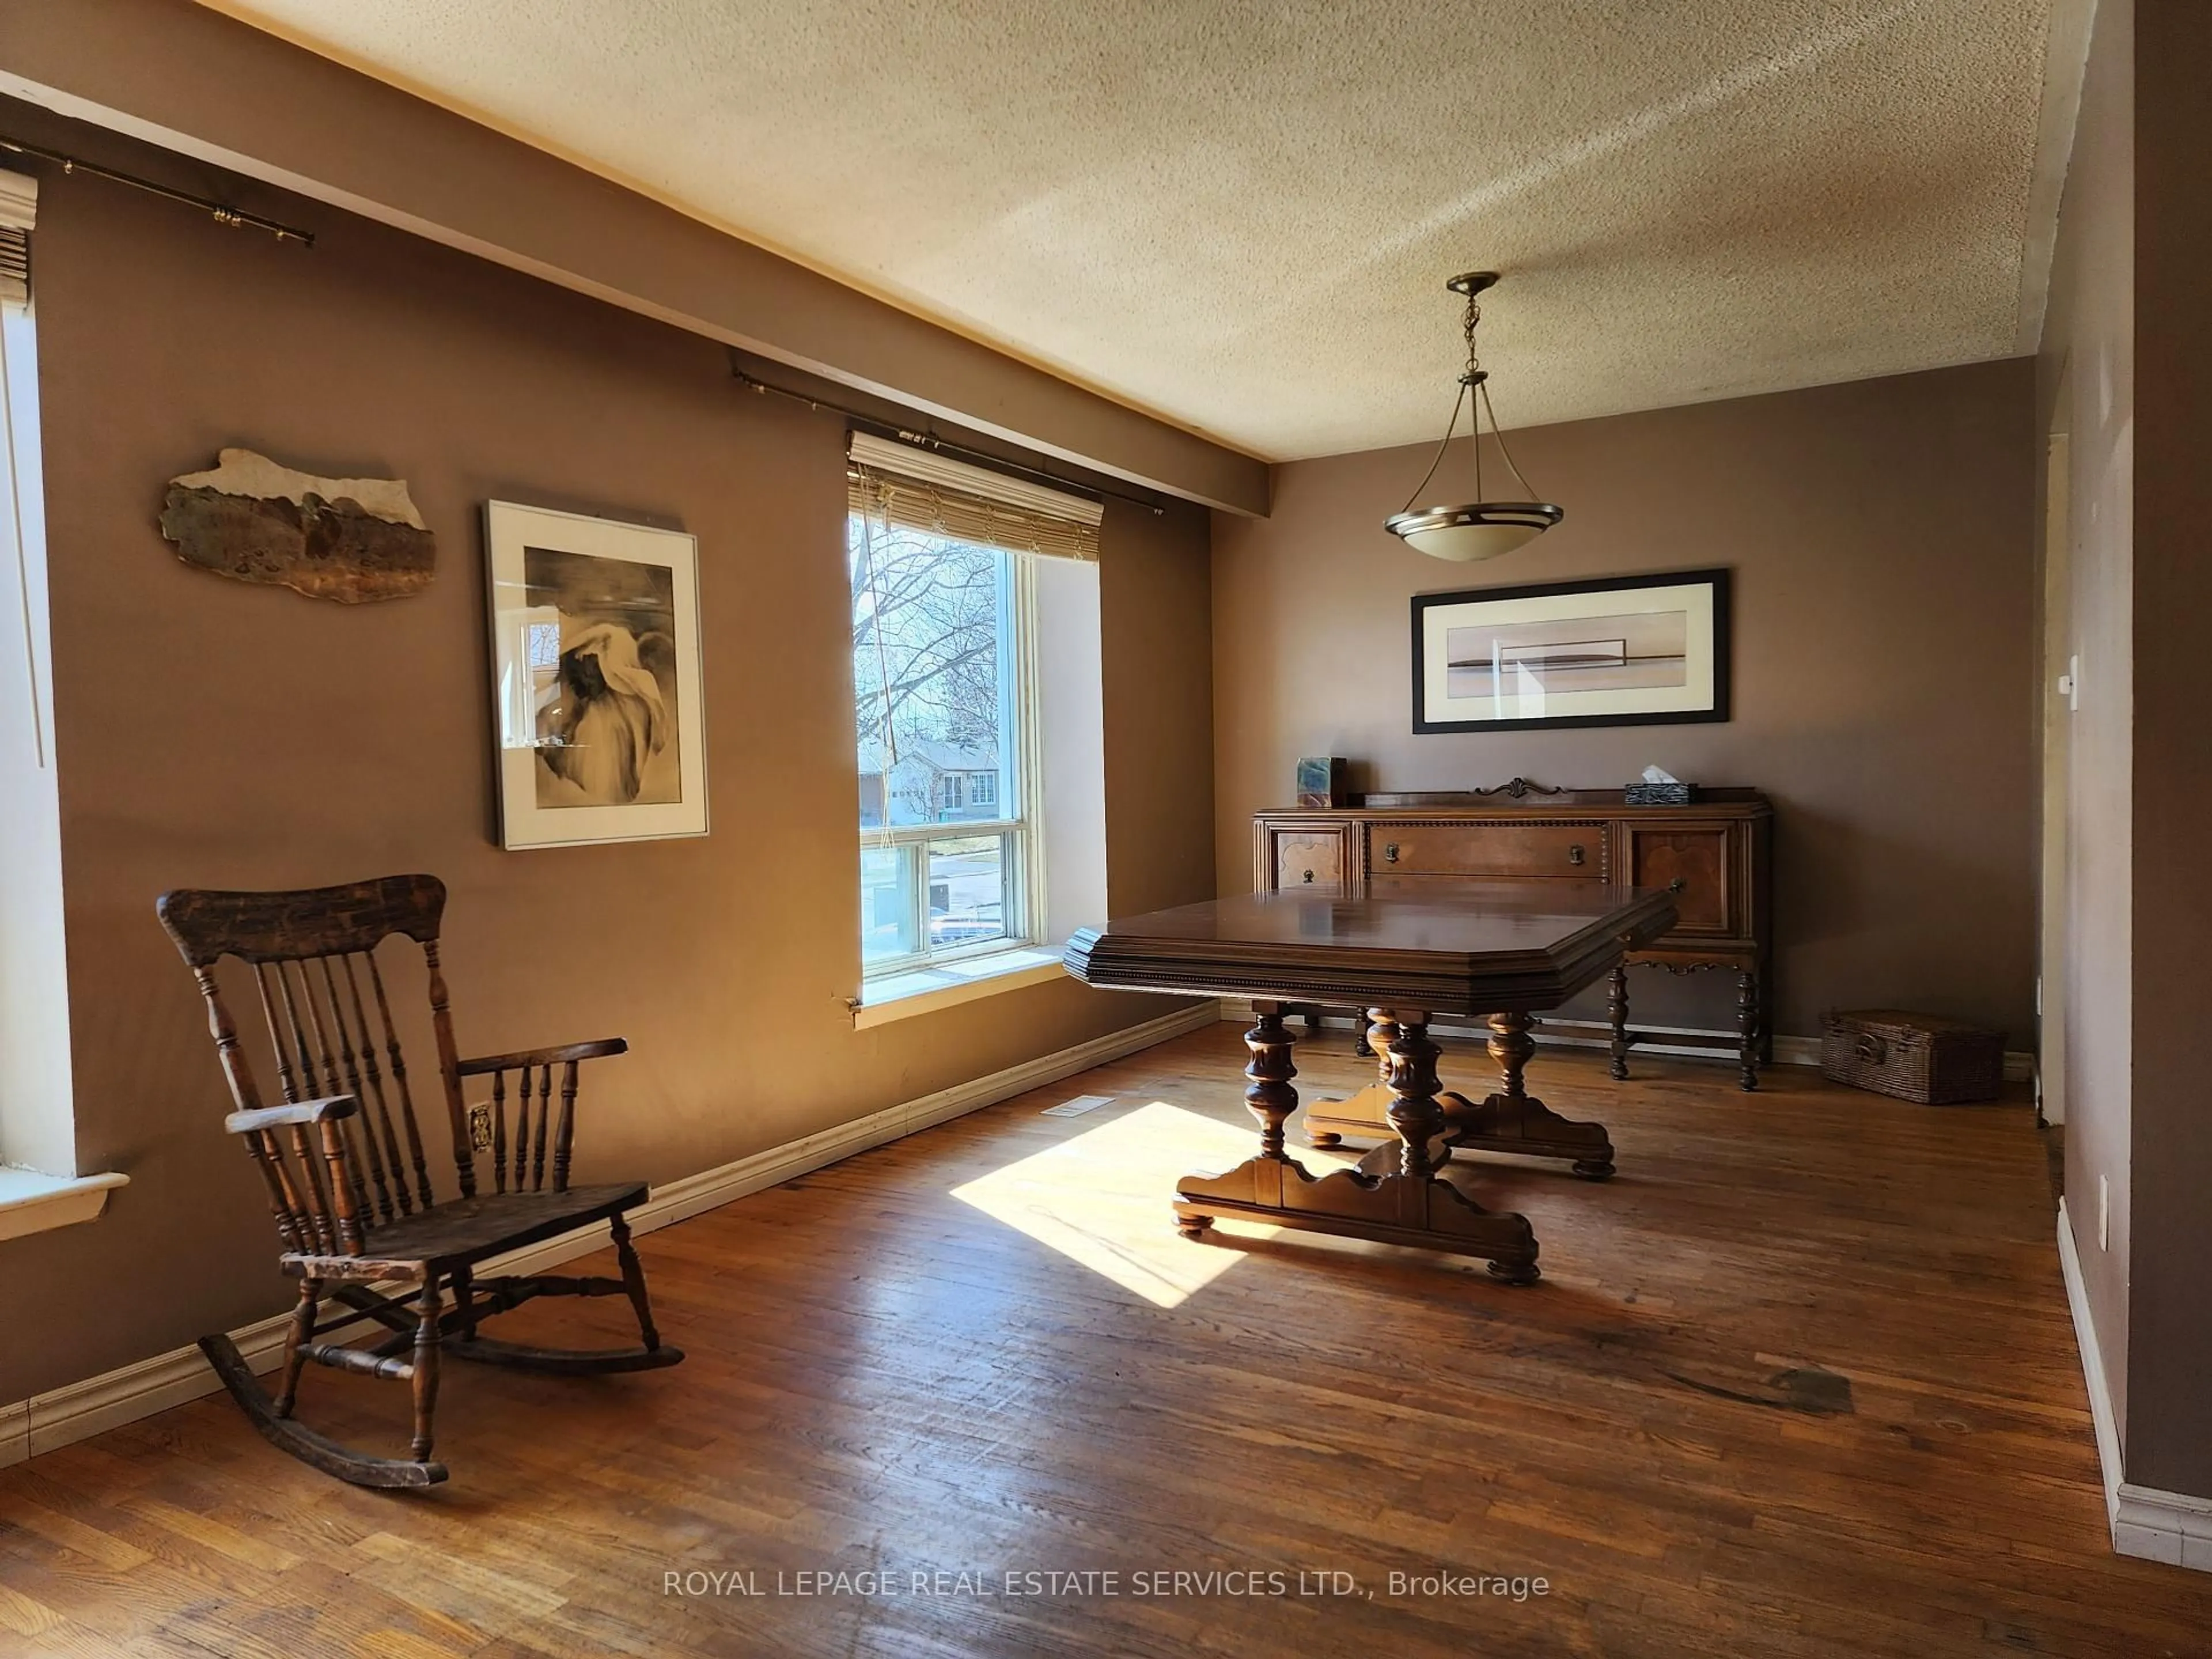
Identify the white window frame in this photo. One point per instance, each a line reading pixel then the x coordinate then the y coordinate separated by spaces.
pixel 40 1184
pixel 1023 858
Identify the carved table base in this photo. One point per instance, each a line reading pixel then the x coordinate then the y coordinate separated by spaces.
pixel 1510 1121
pixel 1400 1201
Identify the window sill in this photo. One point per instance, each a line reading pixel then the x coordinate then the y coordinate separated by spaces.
pixel 924 990
pixel 33 1203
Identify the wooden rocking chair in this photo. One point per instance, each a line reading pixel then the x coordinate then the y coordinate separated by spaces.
pixel 357 1225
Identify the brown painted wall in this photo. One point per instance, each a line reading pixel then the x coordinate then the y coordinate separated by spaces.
pixel 2088 372
pixel 212 733
pixel 1881 536
pixel 211 87
pixel 2170 1331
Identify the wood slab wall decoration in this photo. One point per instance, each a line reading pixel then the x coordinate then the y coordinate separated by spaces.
pixel 347 540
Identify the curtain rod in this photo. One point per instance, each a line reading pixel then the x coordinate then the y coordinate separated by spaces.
pixel 221 212
pixel 930 440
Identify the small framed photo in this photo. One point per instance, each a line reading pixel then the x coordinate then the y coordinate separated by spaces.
pixel 1622 651
pixel 598 715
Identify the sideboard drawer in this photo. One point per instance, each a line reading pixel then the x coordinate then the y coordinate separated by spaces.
pixel 1309 857
pixel 1493 849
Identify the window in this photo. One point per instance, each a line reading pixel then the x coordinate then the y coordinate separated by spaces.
pixel 940 628
pixel 37 1123
pixel 40 1185
pixel 943 561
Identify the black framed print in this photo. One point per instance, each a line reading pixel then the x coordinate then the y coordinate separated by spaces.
pixel 1619 651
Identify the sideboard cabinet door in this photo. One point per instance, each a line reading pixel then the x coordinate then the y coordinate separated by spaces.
pixel 1693 861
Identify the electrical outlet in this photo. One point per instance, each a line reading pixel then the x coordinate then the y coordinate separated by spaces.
pixel 2104 1213
pixel 480 1128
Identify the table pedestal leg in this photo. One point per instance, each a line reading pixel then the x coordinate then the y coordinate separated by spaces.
pixel 1375 1039
pixel 1514 1121
pixel 1509 1120
pixel 1268 1094
pixel 1271 1099
pixel 1409 1064
pixel 1404 1204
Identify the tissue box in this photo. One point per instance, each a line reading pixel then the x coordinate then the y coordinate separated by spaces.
pixel 1661 794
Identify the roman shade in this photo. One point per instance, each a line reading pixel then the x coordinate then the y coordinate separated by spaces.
pixel 19 206
pixel 917 489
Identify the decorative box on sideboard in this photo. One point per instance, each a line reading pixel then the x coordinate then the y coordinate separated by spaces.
pixel 1714 854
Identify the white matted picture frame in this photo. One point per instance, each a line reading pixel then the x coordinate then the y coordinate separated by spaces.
pixel 598 711
pixel 1621 651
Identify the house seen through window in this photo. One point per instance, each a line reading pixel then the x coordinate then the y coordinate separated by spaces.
pixel 938 637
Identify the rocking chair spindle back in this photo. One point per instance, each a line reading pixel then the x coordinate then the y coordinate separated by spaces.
pixel 354 1206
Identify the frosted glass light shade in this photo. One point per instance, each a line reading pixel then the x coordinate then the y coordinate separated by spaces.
pixel 1483 530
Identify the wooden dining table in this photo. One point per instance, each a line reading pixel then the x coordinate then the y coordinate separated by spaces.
pixel 1405 950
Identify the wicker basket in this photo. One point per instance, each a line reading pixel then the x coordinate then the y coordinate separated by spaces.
pixel 1937 1062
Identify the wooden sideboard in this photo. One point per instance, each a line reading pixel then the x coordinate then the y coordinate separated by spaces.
pixel 1714 855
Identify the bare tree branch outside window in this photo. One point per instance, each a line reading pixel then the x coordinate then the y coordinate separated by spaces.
pixel 925 637
pixel 929 615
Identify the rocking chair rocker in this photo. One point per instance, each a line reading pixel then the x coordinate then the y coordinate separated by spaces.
pixel 366 1231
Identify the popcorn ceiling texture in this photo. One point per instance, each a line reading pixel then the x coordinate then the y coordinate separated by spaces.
pixel 1240 216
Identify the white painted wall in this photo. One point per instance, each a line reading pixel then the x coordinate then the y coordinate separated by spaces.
pixel 1072 735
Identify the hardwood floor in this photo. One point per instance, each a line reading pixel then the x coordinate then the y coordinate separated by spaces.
pixel 1801 1381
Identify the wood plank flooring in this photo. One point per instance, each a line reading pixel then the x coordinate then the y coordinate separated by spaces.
pixel 1800 1381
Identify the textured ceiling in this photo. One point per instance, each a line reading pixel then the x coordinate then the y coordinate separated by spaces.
pixel 1240 215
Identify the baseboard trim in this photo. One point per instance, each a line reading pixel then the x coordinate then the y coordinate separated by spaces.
pixel 48 1421
pixel 2092 1365
pixel 2157 1526
pixel 2163 1526
pixel 2019 1068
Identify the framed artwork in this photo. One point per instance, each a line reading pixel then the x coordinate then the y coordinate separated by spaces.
pixel 1622 651
pixel 595 678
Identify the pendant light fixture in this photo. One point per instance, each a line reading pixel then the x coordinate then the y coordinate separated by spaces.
pixel 1479 529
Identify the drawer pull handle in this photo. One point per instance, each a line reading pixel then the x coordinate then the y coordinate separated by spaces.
pixel 1390 854
pixel 1676 885
pixel 1575 853
pixel 1309 875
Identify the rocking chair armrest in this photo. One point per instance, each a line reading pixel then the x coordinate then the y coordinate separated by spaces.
pixel 569 1053
pixel 329 1109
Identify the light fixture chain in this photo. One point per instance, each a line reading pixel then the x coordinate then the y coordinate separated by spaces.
pixel 1474 383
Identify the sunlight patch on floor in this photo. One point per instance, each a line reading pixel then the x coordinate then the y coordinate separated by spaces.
pixel 1102 1198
